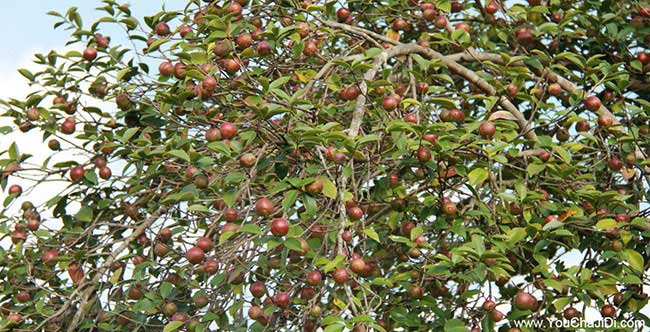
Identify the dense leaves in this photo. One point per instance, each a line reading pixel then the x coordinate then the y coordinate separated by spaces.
pixel 360 165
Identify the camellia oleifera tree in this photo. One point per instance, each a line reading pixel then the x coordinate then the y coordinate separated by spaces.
pixel 341 165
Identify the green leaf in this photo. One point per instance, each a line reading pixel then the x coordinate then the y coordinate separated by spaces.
pixel 334 328
pixel 173 326
pixel 293 244
pixel 26 73
pixel 85 214
pixel 455 325
pixel 371 234
pixel 329 189
pixel 606 223
pixel 477 176
pixel 635 259
pixel 180 154
pixel 128 134
pixel 515 235
pixel 535 168
pixel 251 228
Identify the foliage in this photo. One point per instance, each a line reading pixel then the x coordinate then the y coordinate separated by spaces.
pixel 420 157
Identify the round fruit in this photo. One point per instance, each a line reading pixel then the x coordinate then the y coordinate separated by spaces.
pixel 314 278
pixel 90 54
pixel 162 29
pixel 489 305
pixel 415 291
pixel 315 187
pixel 264 207
pixel 282 299
pixel 50 257
pixel 77 173
pixel 279 227
pixel 487 129
pixel 205 244
pixel 341 275
pixel 608 310
pixel 423 154
pixel 227 130
pixel 593 103
pixel 605 120
pixel 258 289
pixel 195 255
pixel 355 213
pixel 357 265
pixel 525 301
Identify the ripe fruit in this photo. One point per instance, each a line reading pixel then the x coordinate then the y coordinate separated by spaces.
pixel 463 26
pixel 582 126
pixel 390 103
pixel 68 126
pixel 489 305
pixel 314 278
pixel 429 14
pixel 247 160
pixel 195 255
pixel 258 289
pixel 592 103
pixel 185 30
pixel 264 47
pixel 227 130
pixel 456 115
pixel 492 7
pixel 615 164
pixel 643 57
pixel 525 301
pixel 355 213
pixel 255 312
pixel 49 257
pixel 205 243
pixel 449 208
pixel 311 47
pixel 415 291
pixel 282 299
pixel 544 155
pixel 423 154
pixel 15 189
pixel 554 89
pixel 234 8
pixel 105 173
pixel 279 227
pixel 264 207
pixel 524 36
pixel 440 22
pixel 342 14
pixel 90 54
pixel 605 120
pixel 211 266
pixel 18 236
pixel 487 129
pixel 244 40
pixel 315 187
pixel 608 310
pixel 357 265
pixel 231 65
pixel 341 275
pixel 162 29
pixel 570 313
pixel 77 173
pixel 23 296
pixel 550 218
pixel 496 315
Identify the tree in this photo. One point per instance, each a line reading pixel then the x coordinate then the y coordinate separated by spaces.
pixel 360 165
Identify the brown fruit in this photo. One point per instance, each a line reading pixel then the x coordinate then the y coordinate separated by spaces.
pixel 605 120
pixel 314 278
pixel 315 187
pixel 608 310
pixel 357 265
pixel 423 154
pixel 592 103
pixel 525 301
pixel 341 275
pixel 258 289
pixel 264 207
pixel 195 255
pixel 90 54
pixel 162 29
pixel 487 129
pixel 77 173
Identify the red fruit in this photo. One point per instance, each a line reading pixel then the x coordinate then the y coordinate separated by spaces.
pixel 390 103
pixel 162 29
pixel 423 154
pixel 195 255
pixel 582 126
pixel 524 36
pixel 406 228
pixel 311 47
pixel 489 305
pixel 211 266
pixel 554 89
pixel 244 40
pixel 258 289
pixel 412 118
pixel 314 278
pixel 525 301
pixel 341 275
pixel 463 26
pixel 234 8
pixel 570 313
pixel 15 318
pixel 279 227
pixel 77 173
pixel 487 129
pixel 68 126
pixel 644 11
pixel 213 134
pixel 264 47
pixel 544 155
pixel 255 312
pixel 18 236
pixel 205 243
pixel 185 30
pixel 615 164
pixel 33 224
pixel 496 315
pixel 307 293
pixel 608 310
pixel 342 14
pixel 15 189
pixel 415 291
pixel 315 187
pixel 49 257
pixel 139 260
pixel 90 54
pixel 105 173
pixel 449 208
pixel 101 41
pixel 355 213
pixel 231 65
pixel 441 22
pixel 264 207
pixel 180 317
pixel 552 217
pixel 229 227
pixel 456 115
pixel 281 299
pixel 592 103
pixel 357 265
pixel 492 7
pixel 23 296
pixel 230 215
pixel 227 130
pixel 209 83
pixel 605 120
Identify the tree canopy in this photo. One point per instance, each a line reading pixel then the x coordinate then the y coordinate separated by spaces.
pixel 363 165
